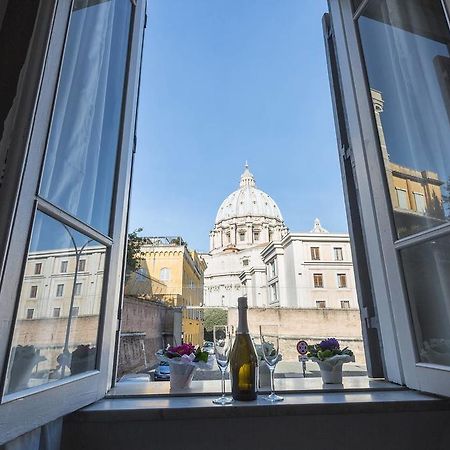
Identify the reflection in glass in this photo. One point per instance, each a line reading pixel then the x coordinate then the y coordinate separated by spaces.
pixel 427 270
pixel 82 147
pixel 49 342
pixel 406 50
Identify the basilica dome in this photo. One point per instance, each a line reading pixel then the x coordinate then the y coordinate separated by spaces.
pixel 248 201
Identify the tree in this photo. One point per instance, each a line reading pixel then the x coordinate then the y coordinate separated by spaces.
pixel 215 316
pixel 134 250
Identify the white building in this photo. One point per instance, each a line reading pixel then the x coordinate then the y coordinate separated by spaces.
pixel 253 253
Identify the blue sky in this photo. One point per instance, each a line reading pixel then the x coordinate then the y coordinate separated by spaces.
pixel 224 82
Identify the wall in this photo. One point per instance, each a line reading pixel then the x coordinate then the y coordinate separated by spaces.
pixel 310 324
pixel 147 326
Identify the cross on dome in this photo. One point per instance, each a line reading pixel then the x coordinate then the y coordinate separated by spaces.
pixel 247 178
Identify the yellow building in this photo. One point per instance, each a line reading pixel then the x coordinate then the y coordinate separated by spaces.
pixel 416 195
pixel 181 271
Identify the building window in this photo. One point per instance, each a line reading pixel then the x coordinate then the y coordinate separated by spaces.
pixel 75 311
pixel 164 274
pixel 33 291
pixel 78 288
pixel 30 313
pixel 318 280
pixel 321 304
pixel 338 256
pixel 245 262
pixel 402 197
pixel 37 268
pixel 274 292
pixel 345 304
pixel 421 206
pixel 256 236
pixel 273 268
pixel 63 268
pixel 315 254
pixel 242 236
pixel 56 312
pixel 81 265
pixel 342 280
pixel 59 290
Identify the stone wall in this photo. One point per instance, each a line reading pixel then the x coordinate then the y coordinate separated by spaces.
pixel 311 325
pixel 147 326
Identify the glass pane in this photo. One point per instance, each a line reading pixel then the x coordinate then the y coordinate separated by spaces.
pixel 49 343
pixel 82 148
pixel 406 50
pixel 427 275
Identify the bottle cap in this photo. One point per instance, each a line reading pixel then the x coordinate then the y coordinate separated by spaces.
pixel 242 302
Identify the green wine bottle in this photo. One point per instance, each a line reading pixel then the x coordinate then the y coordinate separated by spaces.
pixel 243 359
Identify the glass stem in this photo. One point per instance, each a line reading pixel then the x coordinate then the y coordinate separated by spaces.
pixel 223 382
pixel 272 383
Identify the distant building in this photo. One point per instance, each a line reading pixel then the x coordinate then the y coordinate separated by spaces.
pixel 274 267
pixel 180 275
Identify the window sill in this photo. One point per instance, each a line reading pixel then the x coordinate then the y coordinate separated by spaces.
pixel 283 385
pixel 356 396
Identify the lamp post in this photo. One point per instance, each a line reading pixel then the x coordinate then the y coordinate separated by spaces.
pixel 65 355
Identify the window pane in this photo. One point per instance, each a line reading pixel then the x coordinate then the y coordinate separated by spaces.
pixel 82 148
pixel 427 268
pixel 406 50
pixel 52 346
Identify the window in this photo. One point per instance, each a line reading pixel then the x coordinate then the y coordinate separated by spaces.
pixel 402 198
pixel 315 255
pixel 242 236
pixel 321 304
pixel 33 291
pixel 342 280
pixel 77 288
pixel 56 312
pixel 164 274
pixel 59 290
pixel 274 293
pixel 256 236
pixel 75 311
pixel 318 280
pixel 63 267
pixel 272 268
pixel 30 313
pixel 338 256
pixel 81 265
pixel 245 262
pixel 345 304
pixel 421 206
pixel 86 120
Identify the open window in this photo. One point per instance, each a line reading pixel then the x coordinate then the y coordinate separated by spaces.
pixel 64 229
pixel 389 71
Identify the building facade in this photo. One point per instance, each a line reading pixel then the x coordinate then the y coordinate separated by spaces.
pixel 181 271
pixel 252 253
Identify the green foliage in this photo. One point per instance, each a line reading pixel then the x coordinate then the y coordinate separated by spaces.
pixel 134 250
pixel 215 316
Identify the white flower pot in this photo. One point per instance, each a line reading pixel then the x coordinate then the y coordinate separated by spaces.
pixel 331 368
pixel 181 376
pixel 264 375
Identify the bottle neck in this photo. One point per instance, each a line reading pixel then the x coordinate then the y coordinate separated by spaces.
pixel 242 321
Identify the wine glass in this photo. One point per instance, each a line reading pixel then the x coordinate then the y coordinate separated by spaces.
pixel 270 348
pixel 222 348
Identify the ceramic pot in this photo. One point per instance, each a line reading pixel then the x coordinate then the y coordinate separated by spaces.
pixel 264 376
pixel 331 373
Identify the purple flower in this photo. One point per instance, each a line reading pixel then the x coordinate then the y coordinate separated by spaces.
pixel 329 344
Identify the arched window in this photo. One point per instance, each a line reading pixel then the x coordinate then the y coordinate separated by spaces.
pixel 164 274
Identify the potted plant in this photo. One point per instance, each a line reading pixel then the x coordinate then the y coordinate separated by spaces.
pixel 183 361
pixel 330 358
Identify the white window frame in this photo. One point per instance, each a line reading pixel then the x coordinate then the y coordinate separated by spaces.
pixel 17 410
pixel 370 212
